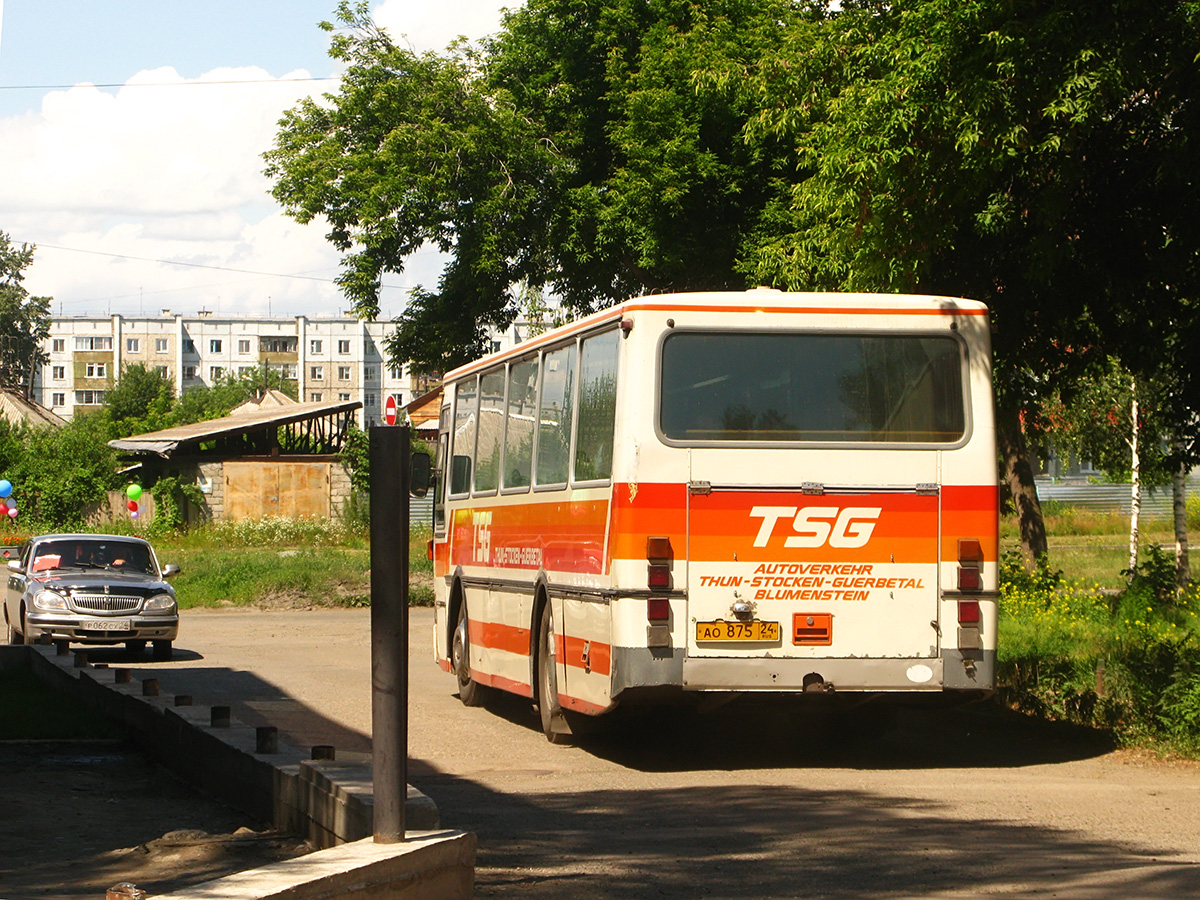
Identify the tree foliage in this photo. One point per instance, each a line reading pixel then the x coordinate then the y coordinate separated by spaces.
pixel 574 152
pixel 24 320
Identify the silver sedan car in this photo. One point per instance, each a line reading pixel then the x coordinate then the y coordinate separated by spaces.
pixel 91 589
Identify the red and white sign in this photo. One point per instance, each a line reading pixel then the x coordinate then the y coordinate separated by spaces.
pixel 390 410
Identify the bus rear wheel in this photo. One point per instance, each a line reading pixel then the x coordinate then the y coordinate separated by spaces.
pixel 470 692
pixel 554 721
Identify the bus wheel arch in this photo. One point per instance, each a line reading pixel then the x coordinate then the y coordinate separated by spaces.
pixel 553 719
pixel 470 692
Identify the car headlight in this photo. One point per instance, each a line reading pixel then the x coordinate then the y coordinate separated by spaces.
pixel 50 600
pixel 160 603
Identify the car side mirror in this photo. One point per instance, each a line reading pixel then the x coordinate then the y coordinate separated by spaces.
pixel 15 565
pixel 419 474
pixel 170 570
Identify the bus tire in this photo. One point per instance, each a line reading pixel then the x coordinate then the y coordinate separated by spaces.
pixel 554 722
pixel 470 692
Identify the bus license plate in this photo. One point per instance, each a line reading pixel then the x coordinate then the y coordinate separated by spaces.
pixel 737 631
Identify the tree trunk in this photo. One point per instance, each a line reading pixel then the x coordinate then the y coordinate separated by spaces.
pixel 1017 474
pixel 1179 508
pixel 1135 470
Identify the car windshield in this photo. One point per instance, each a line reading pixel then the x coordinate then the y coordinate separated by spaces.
pixel 82 553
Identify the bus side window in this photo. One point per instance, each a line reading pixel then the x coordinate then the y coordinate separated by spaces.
pixel 596 418
pixel 462 443
pixel 441 470
pixel 518 424
pixel 554 416
pixel 490 431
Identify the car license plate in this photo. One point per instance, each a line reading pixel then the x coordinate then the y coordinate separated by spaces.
pixel 109 625
pixel 737 631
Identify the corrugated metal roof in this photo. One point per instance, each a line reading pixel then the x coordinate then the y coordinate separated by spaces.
pixel 168 440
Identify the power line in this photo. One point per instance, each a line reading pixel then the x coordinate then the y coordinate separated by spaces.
pixel 175 262
pixel 136 84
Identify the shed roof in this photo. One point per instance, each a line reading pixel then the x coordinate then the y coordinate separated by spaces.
pixel 184 437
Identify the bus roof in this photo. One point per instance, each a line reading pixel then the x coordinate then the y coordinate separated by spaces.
pixel 764 300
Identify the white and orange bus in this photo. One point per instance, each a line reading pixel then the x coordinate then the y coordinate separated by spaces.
pixel 722 492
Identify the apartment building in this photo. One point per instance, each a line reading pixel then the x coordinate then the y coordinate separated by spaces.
pixel 330 359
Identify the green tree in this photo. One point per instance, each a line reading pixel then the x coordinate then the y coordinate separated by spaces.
pixel 574 151
pixel 140 401
pixel 204 402
pixel 63 470
pixel 24 320
pixel 1029 154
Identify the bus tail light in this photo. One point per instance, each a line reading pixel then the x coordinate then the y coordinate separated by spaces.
pixel 429 550
pixel 970 564
pixel 968 612
pixel 658 609
pixel 658 555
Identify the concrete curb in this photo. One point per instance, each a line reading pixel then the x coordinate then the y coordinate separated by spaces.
pixel 327 801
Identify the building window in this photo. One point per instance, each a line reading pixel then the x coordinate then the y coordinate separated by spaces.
pixel 189 371
pixel 343 346
pixel 277 344
pixel 495 346
pixel 314 346
pixel 243 345
pixel 316 398
pixel 93 343
pixel 96 370
pixel 372 373
pixel 290 370
pixel 58 373
pixel 58 399
pixel 245 370
pixel 162 371
pixel 58 345
pixel 215 373
pixel 343 396
pixel 160 345
pixel 189 346
pixel 132 345
pixel 316 373
pixel 214 346
pixel 343 373
pixel 370 401
pixel 89 398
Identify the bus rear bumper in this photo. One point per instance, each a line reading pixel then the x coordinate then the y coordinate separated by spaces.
pixel 950 672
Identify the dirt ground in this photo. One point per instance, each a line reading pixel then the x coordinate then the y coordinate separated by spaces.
pixel 78 817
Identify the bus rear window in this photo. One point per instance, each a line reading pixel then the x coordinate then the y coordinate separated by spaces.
pixel 839 388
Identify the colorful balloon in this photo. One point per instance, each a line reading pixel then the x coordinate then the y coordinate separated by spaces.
pixel 133 515
pixel 134 491
pixel 10 503
pixel 132 506
pixel 12 512
pixel 5 488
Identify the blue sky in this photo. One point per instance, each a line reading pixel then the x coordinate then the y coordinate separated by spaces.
pixel 114 183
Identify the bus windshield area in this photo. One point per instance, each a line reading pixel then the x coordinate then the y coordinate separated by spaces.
pixel 776 387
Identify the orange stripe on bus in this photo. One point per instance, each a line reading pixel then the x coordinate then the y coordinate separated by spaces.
pixel 498 636
pixel 571 651
pixel 504 684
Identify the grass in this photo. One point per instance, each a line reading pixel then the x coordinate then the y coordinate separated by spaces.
pixel 32 710
pixel 1082 641
pixel 283 563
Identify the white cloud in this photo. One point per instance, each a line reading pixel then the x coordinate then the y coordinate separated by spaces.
pixel 432 26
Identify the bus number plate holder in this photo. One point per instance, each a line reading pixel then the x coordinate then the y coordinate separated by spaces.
pixel 755 631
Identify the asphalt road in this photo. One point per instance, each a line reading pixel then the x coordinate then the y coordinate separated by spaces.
pixel 740 803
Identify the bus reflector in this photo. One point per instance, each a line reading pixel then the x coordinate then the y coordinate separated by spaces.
pixel 969 579
pixel 812 629
pixel 659 577
pixel 658 548
pixel 968 612
pixel 658 609
pixel 970 550
pixel 429 550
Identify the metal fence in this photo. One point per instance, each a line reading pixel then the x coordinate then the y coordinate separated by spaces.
pixel 1156 502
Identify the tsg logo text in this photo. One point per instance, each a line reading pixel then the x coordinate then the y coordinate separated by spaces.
pixel 814 526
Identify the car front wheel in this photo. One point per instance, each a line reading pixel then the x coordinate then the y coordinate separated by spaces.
pixel 162 650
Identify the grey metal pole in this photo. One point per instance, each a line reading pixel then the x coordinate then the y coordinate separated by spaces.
pixel 389 628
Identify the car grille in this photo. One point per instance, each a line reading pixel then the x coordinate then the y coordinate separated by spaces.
pixel 105 603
